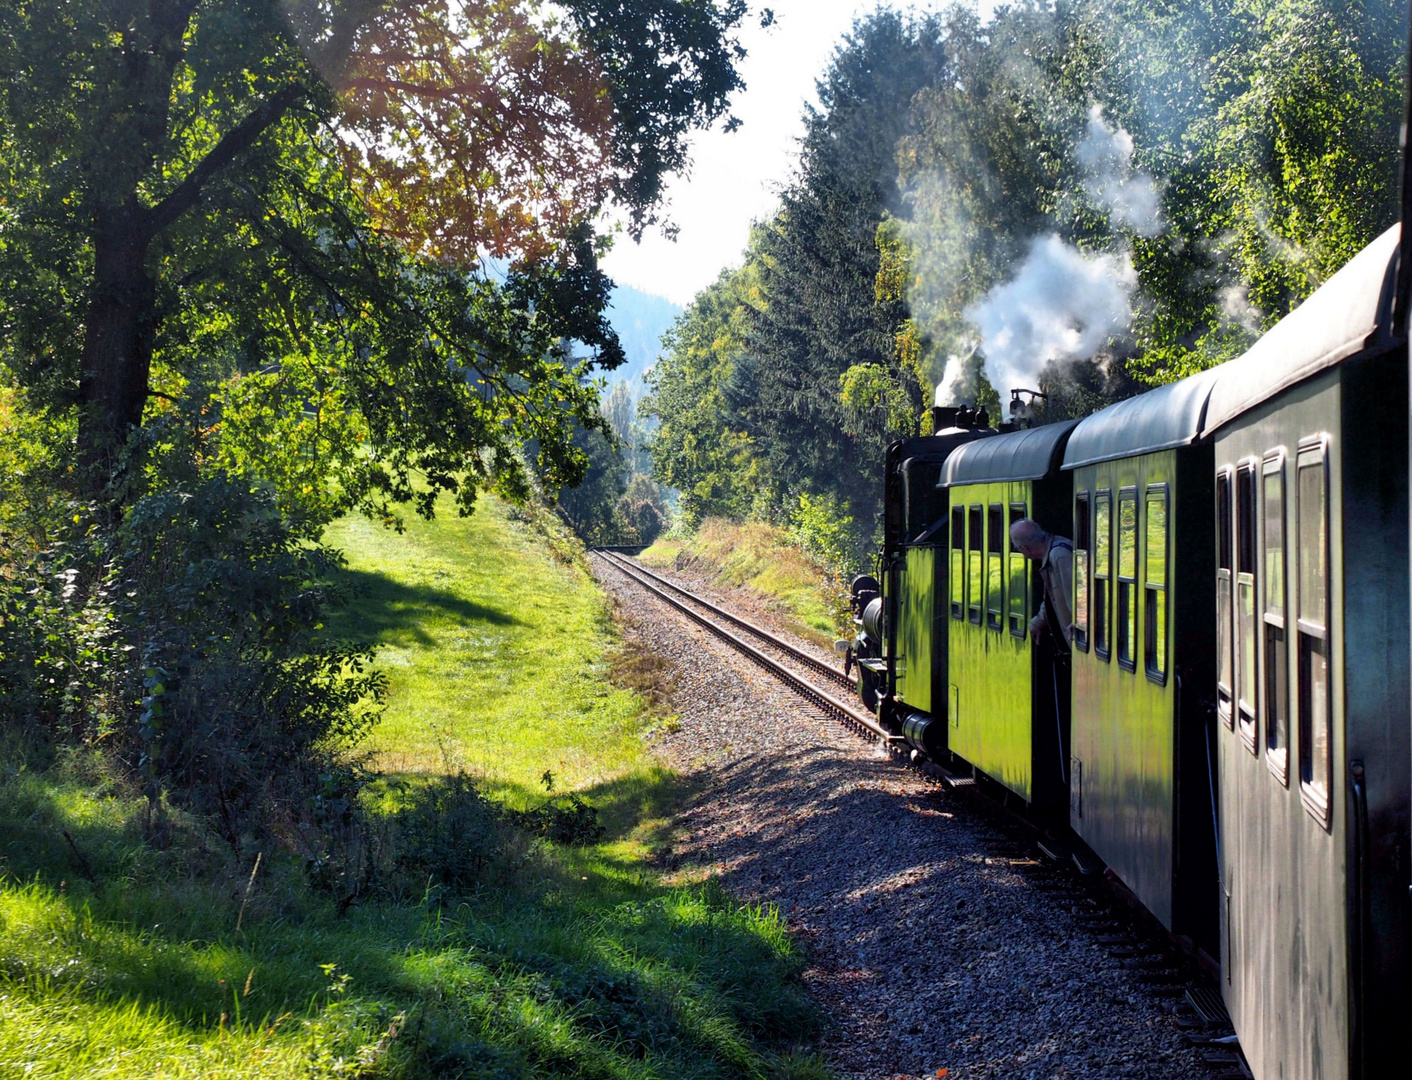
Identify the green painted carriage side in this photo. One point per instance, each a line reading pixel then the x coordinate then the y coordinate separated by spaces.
pixel 990 715
pixel 917 632
pixel 1122 777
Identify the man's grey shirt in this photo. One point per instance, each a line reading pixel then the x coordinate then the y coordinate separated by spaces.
pixel 1057 572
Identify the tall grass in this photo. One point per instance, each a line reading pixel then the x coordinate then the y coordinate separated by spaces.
pixel 119 960
pixel 762 558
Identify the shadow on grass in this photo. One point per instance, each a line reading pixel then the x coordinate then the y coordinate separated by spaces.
pixel 90 909
pixel 383 609
pixel 546 987
pixel 646 799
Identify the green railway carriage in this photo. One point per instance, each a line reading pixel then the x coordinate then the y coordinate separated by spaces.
pixel 1006 709
pixel 1140 791
pixel 902 649
pixel 1310 436
pixel 1236 742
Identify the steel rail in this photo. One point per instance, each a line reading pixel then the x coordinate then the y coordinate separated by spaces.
pixel 778 642
pixel 861 722
pixel 1062 861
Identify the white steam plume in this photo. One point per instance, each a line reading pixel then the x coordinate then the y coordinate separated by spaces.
pixel 1236 308
pixel 956 386
pixel 1129 196
pixel 1061 305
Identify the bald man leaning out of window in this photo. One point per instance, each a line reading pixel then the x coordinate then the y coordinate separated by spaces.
pixel 1055 556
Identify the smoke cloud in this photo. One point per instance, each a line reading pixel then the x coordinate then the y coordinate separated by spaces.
pixel 1129 196
pixel 1061 305
pixel 1236 308
pixel 957 384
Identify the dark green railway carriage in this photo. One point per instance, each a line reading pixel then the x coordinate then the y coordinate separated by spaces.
pixel 1310 467
pixel 1006 712
pixel 1140 792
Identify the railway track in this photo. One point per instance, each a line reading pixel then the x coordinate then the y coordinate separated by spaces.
pixel 825 699
pixel 1126 933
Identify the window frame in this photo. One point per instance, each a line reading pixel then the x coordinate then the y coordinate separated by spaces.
pixel 1019 626
pixel 1272 465
pixel 1247 712
pixel 1083 533
pixel 1128 628
pixel 1156 492
pixel 1102 583
pixel 1313 452
pixel 975 563
pixel 957 566
pixel 996 547
pixel 1225 582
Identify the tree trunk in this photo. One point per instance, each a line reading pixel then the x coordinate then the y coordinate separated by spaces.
pixel 117 346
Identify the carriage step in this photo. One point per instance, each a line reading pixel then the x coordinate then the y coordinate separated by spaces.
pixel 951 780
pixel 1208 1006
pixel 1087 864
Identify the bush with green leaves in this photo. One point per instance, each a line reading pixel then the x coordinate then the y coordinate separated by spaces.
pixel 188 643
pixel 242 704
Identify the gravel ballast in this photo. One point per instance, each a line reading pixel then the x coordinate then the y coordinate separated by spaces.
pixel 931 946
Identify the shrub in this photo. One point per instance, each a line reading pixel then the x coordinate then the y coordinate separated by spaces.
pixel 242 708
pixel 187 642
pixel 447 834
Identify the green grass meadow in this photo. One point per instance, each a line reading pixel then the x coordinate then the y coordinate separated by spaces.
pixel 119 960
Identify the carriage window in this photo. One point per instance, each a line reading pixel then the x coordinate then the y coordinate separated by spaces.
pixel 1224 584
pixel 958 563
pixel 995 565
pixel 1315 703
pixel 1127 577
pixel 1081 549
pixel 1102 570
pixel 1154 584
pixel 975 564
pixel 1245 602
pixel 1018 594
pixel 1276 685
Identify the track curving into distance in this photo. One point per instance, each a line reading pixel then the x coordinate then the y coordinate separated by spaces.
pixel 861 722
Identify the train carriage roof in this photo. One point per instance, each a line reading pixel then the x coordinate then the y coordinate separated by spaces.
pixel 1344 315
pixel 1030 454
pixel 1161 419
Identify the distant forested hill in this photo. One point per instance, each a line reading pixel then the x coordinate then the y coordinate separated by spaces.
pixel 640 320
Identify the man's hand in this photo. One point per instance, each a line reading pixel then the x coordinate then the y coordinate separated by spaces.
pixel 1038 626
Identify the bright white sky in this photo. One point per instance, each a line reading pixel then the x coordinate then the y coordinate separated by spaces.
pixel 735 178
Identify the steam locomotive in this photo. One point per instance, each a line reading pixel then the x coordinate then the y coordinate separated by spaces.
pixel 1230 729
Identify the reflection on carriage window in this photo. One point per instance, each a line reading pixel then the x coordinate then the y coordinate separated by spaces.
pixel 1154 583
pixel 1276 682
pixel 1315 719
pixel 1246 693
pixel 1081 589
pixel 995 564
pixel 1102 571
pixel 1225 640
pixel 1127 578
pixel 958 563
pixel 1018 586
pixel 974 564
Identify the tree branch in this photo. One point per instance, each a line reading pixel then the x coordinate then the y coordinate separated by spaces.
pixel 233 143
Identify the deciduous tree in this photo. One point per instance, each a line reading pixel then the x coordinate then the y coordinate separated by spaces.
pixel 196 189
